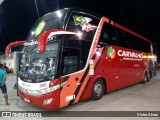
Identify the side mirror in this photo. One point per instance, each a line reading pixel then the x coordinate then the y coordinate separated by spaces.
pixel 44 37
pixel 42 41
pixel 11 45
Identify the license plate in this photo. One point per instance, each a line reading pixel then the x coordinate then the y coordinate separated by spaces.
pixel 27 100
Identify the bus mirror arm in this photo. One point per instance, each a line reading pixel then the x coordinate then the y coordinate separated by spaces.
pixel 42 41
pixel 11 45
pixel 44 37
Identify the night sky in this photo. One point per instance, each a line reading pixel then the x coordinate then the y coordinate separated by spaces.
pixel 141 16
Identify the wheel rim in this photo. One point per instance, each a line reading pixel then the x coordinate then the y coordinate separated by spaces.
pixel 98 89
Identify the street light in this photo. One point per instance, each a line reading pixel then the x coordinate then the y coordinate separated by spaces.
pixel 35 1
pixel 1 1
pixel 58 4
pixel 37 10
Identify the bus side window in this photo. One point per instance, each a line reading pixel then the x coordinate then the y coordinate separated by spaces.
pixel 85 48
pixel 108 35
pixel 134 42
pixel 123 38
pixel 70 60
pixel 71 25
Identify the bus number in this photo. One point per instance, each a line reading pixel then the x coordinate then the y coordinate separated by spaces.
pixel 71 97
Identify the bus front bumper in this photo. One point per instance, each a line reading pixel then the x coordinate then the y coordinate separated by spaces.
pixel 49 101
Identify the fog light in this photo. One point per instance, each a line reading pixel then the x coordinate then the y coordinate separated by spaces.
pixel 47 101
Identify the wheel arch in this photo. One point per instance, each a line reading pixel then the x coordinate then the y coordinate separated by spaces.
pixel 88 92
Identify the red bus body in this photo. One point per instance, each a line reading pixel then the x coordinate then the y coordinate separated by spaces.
pixel 123 67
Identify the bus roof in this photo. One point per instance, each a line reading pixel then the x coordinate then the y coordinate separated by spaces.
pixel 130 31
pixel 70 10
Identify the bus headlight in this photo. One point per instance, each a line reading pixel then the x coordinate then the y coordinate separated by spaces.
pixel 39 92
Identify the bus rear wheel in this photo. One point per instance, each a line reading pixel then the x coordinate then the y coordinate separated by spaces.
pixel 97 90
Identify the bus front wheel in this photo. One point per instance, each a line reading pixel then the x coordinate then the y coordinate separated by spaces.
pixel 97 90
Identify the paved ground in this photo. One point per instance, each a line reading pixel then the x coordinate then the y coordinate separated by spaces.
pixel 140 97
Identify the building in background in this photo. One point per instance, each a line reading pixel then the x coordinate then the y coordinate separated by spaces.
pixel 10 62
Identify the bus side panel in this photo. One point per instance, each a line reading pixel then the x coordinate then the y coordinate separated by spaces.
pixel 131 67
pixel 117 71
pixel 138 70
pixel 89 79
pixel 103 70
pixel 70 84
pixel 110 71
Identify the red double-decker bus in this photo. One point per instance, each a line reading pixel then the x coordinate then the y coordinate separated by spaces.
pixel 71 55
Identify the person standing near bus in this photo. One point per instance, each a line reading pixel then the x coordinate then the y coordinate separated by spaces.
pixel 2 83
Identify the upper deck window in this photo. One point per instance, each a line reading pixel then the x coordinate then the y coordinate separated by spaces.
pixel 108 35
pixel 84 23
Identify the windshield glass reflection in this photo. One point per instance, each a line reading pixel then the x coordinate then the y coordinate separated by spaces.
pixel 37 67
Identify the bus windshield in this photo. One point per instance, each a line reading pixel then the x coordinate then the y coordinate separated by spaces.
pixel 36 67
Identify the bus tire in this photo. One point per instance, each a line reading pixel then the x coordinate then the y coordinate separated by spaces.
pixel 97 90
pixel 146 78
